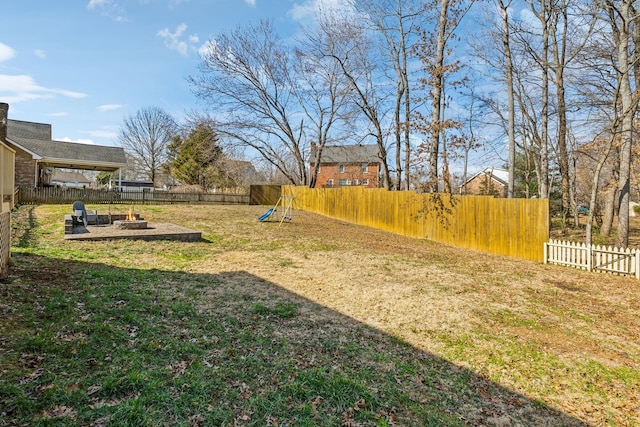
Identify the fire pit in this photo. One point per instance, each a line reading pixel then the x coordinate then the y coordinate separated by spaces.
pixel 130 224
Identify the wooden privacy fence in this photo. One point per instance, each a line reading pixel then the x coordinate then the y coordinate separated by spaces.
pixel 593 258
pixel 514 227
pixel 264 194
pixel 61 195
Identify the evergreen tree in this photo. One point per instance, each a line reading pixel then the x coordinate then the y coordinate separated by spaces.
pixel 194 159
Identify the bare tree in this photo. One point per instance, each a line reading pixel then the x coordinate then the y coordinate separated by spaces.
pixel 396 21
pixel 433 49
pixel 349 47
pixel 245 77
pixel 622 18
pixel 322 92
pixel 146 136
pixel 567 42
pixel 607 85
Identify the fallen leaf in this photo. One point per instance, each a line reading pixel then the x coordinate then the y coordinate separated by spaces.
pixel 59 411
pixel 44 388
pixel 93 389
pixel 74 386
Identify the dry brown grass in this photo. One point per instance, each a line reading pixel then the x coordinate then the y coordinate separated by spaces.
pixel 567 338
pixel 552 333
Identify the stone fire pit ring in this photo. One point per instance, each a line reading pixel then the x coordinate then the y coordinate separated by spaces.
pixel 126 224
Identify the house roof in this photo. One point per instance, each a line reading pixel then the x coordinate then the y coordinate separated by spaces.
pixel 500 175
pixel 35 139
pixel 348 154
pixel 22 129
pixel 69 176
pixel 71 154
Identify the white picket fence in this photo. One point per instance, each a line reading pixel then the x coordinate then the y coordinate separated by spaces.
pixel 593 258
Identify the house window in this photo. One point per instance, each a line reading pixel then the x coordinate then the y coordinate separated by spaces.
pixel 365 182
pixel 330 182
pixel 355 182
pixel 343 182
pixel 341 168
pixel 365 167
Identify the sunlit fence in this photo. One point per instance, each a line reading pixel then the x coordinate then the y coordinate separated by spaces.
pixel 514 227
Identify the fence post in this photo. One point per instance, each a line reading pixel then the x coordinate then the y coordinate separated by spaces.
pixel 589 249
pixel 636 259
pixel 546 251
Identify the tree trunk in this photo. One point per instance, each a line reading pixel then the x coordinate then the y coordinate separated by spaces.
pixel 544 143
pixel 594 192
pixel 608 212
pixel 398 135
pixel 506 46
pixel 407 120
pixel 626 98
pixel 436 100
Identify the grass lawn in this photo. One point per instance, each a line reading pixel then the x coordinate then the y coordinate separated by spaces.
pixel 312 323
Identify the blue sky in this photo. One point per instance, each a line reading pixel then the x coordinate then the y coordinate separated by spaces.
pixel 83 65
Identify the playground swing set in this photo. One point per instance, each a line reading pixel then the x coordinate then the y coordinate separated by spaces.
pixel 285 203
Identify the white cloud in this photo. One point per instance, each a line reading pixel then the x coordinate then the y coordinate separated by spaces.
pixel 208 47
pixel 21 88
pixel 79 141
pixel 108 8
pixel 6 52
pixel 174 41
pixel 98 3
pixel 109 107
pixel 102 134
pixel 59 114
pixel 309 9
pixel 40 53
pixel 251 3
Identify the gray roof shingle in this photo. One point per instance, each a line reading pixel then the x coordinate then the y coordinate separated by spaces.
pixel 348 154
pixel 71 151
pixel 22 129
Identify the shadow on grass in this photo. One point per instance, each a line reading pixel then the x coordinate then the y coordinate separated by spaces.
pixel 27 236
pixel 91 344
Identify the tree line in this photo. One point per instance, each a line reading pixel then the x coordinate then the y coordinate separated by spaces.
pixel 190 154
pixel 552 84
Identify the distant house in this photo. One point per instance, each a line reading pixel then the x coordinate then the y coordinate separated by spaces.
pixel 144 186
pixel 37 155
pixel 489 182
pixel 242 172
pixel 71 179
pixel 347 165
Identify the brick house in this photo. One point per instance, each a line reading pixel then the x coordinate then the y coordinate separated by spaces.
pixel 489 182
pixel 37 155
pixel 347 165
